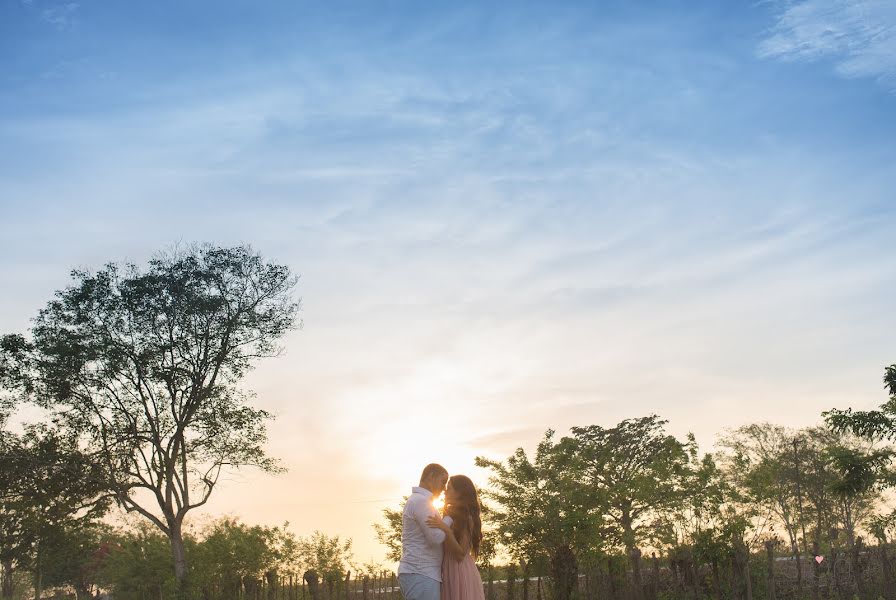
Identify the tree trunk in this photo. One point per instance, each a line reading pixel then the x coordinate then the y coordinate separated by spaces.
pixel 695 578
pixel 677 575
pixel 510 593
pixel 564 572
pixel 886 571
pixel 857 569
pixel 770 575
pixel 716 584
pixel 742 558
pixel 634 556
pixel 611 580
pixel 38 575
pixel 179 555
pixel 525 566
pixel 799 499
pixel 734 578
pixel 6 586
pixel 491 583
pixel 816 574
pixel 272 584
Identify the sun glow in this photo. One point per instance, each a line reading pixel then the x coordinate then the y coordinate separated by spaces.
pixel 439 503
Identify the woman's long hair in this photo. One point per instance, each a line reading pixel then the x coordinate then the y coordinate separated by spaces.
pixel 464 508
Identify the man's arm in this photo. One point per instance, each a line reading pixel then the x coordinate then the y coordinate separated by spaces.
pixel 422 511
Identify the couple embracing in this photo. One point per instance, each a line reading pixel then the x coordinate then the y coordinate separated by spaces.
pixel 438 551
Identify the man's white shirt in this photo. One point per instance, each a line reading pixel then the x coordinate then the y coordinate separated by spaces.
pixel 421 545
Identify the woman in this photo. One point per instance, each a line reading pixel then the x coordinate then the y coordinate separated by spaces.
pixel 463 534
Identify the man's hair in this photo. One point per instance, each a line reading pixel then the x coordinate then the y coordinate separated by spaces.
pixel 432 470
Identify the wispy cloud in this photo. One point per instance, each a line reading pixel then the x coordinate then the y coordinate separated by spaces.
pixel 61 16
pixel 859 36
pixel 497 231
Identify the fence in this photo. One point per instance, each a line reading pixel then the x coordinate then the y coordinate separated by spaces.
pixel 864 573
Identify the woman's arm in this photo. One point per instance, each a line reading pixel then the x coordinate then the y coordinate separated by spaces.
pixel 458 549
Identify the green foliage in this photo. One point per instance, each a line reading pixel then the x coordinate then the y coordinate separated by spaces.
pixel 138 565
pixel 72 559
pixel 52 493
pixel 227 560
pixel 329 556
pixel 883 527
pixel 761 464
pixel 538 506
pixel 145 366
pixel 634 472
pixel 874 424
pixel 541 510
pixel 229 553
pixel 389 533
pixel 814 483
pixel 863 471
pixel 710 515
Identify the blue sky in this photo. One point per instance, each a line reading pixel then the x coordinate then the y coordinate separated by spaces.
pixel 506 216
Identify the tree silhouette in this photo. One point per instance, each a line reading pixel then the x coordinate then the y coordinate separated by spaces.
pixel 145 366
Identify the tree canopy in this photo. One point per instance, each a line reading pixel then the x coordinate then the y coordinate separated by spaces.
pixel 145 365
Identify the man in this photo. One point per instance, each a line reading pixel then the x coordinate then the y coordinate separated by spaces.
pixel 420 569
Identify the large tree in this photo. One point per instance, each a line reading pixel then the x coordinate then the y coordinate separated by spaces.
pixel 761 462
pixel 146 366
pixel 635 471
pixel 539 509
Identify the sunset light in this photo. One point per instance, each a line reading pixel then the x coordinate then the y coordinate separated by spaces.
pixel 273 272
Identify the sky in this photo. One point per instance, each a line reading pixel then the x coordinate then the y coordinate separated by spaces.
pixel 506 217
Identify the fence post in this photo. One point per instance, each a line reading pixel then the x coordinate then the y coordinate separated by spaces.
pixel 655 584
pixel 538 589
pixel 886 570
pixel 525 565
pixel 313 581
pixel 770 576
pixel 692 570
pixel 816 567
pixel 491 583
pixel 365 588
pixel 392 595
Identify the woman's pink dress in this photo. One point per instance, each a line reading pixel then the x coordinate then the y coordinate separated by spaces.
pixel 461 579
